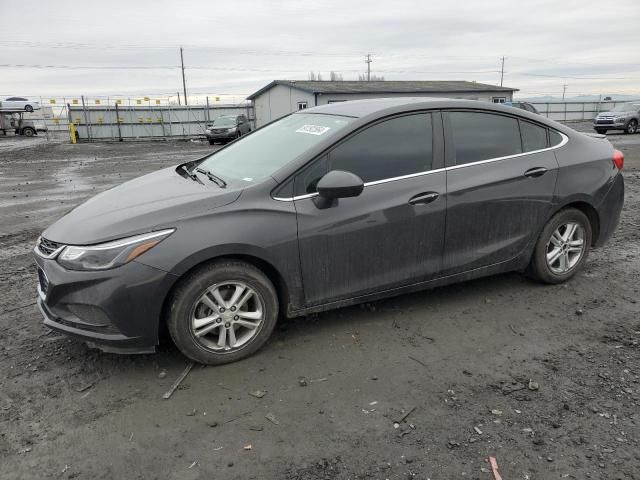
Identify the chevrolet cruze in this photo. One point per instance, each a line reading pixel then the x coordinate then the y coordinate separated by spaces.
pixel 327 207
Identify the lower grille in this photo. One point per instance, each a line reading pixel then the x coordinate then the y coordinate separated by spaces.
pixel 43 280
pixel 604 122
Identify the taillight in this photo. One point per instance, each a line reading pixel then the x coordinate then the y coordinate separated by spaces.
pixel 618 159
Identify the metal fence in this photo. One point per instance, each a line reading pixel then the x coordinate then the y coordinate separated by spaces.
pixel 136 122
pixel 575 111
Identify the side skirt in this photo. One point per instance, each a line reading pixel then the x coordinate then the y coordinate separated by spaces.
pixel 515 264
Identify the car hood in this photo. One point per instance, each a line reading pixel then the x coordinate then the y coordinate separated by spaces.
pixel 151 202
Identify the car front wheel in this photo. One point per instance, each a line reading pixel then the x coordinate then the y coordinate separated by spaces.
pixel 222 312
pixel 562 247
pixel 601 131
pixel 632 126
pixel 28 108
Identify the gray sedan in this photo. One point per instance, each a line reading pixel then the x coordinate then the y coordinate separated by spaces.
pixel 327 207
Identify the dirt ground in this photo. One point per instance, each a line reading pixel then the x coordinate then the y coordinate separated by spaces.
pixel 422 386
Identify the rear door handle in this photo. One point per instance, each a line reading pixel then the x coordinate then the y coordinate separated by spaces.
pixel 423 198
pixel 535 172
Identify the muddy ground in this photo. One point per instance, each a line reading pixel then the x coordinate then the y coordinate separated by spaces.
pixel 424 386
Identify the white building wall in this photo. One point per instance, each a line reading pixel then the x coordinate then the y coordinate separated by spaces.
pixel 281 100
pixel 278 102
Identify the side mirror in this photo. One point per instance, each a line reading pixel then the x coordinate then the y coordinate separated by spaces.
pixel 337 184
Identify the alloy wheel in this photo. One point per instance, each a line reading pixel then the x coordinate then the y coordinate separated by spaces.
pixel 565 247
pixel 227 316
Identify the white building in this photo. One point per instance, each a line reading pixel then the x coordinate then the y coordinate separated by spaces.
pixel 282 97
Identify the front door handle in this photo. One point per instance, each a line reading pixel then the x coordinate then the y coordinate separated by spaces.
pixel 535 172
pixel 423 198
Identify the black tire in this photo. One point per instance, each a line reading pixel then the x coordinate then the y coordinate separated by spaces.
pixel 211 142
pixel 601 131
pixel 238 134
pixel 28 108
pixel 185 297
pixel 28 132
pixel 538 268
pixel 632 126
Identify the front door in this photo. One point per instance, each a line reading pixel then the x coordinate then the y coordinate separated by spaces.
pixel 392 234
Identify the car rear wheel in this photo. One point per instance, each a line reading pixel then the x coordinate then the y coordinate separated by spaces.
pixel 222 312
pixel 28 132
pixel 562 247
pixel 28 108
pixel 632 126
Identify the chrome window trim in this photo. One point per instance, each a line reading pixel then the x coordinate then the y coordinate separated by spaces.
pixel 565 140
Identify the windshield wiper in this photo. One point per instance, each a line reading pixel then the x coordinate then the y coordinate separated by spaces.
pixel 211 176
pixel 189 173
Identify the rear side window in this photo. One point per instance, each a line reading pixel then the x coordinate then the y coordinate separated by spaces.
pixel 534 137
pixel 482 136
pixel 554 138
pixel 392 148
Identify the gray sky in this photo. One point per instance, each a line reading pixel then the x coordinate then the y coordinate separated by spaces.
pixel 236 47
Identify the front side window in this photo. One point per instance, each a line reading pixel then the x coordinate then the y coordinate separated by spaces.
pixel 265 151
pixel 482 136
pixel 534 137
pixel 392 148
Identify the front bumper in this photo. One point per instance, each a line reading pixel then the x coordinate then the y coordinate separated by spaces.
pixel 115 310
pixel 221 136
pixel 609 125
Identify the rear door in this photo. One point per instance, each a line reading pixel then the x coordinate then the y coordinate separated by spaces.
pixel 392 234
pixel 501 179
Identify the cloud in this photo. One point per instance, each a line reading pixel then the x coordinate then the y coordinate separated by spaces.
pixel 237 47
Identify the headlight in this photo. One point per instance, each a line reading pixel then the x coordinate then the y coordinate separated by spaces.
pixel 111 254
pixel 231 129
pixel 620 119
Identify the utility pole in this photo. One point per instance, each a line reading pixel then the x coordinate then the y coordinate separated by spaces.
pixel 502 71
pixel 564 89
pixel 184 83
pixel 368 62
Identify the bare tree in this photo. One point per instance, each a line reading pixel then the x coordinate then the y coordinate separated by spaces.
pixel 335 76
pixel 312 76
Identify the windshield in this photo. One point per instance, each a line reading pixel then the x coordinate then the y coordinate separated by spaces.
pixel 225 122
pixel 267 150
pixel 624 107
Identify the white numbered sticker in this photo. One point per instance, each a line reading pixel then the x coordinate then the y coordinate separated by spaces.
pixel 313 129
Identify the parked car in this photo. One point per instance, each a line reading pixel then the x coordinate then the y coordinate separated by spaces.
pixel 327 207
pixel 625 116
pixel 523 106
pixel 18 103
pixel 227 128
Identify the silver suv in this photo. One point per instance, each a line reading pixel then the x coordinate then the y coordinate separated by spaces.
pixel 625 116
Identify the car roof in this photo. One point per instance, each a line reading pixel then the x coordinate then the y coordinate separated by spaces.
pixel 380 107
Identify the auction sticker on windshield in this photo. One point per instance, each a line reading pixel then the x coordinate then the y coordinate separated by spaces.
pixel 313 129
